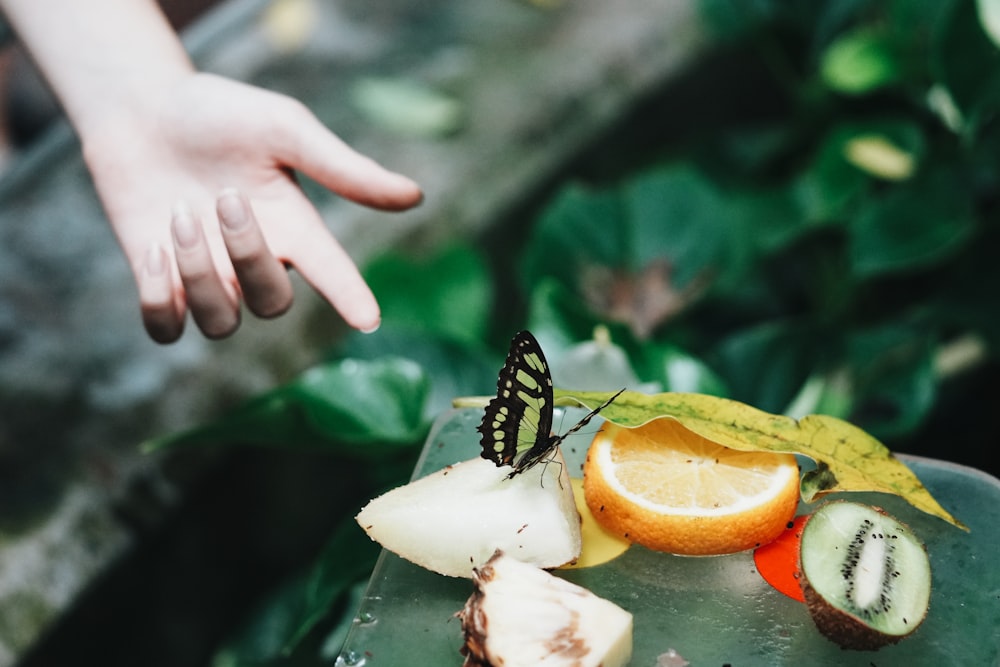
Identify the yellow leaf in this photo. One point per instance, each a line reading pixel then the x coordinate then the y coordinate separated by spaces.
pixel 847 458
pixel 878 156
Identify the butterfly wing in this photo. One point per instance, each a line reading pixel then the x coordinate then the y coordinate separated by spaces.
pixel 517 423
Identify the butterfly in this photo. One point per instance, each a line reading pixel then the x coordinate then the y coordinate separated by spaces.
pixel 517 426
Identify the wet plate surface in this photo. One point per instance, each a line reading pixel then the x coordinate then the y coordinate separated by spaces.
pixel 713 610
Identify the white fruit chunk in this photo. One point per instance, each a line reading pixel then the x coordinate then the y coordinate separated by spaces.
pixel 454 519
pixel 522 616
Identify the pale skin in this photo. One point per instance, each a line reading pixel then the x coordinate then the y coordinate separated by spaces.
pixel 196 172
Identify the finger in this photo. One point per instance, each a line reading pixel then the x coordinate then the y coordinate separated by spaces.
pixel 162 312
pixel 214 308
pixel 311 148
pixel 263 280
pixel 332 273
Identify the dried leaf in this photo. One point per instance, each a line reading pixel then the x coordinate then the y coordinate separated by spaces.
pixel 642 300
pixel 847 458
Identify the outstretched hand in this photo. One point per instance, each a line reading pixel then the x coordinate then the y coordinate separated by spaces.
pixel 200 190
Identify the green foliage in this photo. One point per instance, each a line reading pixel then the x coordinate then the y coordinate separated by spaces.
pixel 966 62
pixel 446 293
pixel 277 631
pixel 353 407
pixel 832 239
pixel 453 368
pixel 860 62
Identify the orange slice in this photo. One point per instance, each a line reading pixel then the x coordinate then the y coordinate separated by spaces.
pixel 666 488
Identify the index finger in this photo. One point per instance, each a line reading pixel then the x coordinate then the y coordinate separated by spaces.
pixel 327 267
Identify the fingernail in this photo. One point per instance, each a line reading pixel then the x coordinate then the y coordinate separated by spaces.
pixel 185 229
pixel 232 210
pixel 156 264
pixel 371 329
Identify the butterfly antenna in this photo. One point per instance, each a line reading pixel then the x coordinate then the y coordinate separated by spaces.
pixel 593 413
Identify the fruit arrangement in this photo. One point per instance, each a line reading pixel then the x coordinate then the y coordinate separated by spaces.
pixel 504 518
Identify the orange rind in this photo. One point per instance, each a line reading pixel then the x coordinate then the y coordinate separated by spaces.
pixel 669 489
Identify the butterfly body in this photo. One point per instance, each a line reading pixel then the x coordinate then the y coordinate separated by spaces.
pixel 517 424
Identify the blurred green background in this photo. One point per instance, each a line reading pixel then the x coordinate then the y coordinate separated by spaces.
pixel 805 222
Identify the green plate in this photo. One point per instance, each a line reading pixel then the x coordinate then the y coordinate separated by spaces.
pixel 716 610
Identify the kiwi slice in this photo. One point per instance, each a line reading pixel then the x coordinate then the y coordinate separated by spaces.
pixel 865 576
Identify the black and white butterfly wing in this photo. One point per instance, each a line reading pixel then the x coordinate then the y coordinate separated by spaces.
pixel 516 428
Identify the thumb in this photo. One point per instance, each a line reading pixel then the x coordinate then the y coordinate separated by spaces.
pixel 324 157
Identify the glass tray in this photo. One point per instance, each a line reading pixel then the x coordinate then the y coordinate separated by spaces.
pixel 712 611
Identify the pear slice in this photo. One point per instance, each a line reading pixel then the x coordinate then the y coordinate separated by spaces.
pixel 456 518
pixel 522 616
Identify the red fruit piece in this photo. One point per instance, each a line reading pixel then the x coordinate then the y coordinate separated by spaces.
pixel 778 561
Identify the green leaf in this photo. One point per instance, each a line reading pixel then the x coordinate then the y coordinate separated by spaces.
pixel 706 236
pixel 274 633
pixel 557 316
pixel 880 157
pixel 838 176
pixel 893 377
pixel 671 213
pixel 967 63
pixel 825 393
pixel 453 368
pixel 407 107
pixel 365 408
pixel 262 639
pixel 579 228
pixel 678 214
pixel 847 458
pixel 829 185
pixel 348 557
pixel 729 20
pixel 447 292
pixel 766 364
pixel 989 18
pixel 678 371
pixel 962 303
pixel 859 62
pixel 762 221
pixel 890 152
pixel 912 226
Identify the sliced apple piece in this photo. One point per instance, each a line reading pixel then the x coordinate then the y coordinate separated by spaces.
pixel 456 518
pixel 522 616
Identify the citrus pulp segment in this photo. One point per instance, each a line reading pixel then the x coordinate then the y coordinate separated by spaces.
pixel 669 489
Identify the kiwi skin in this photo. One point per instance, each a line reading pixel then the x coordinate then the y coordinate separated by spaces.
pixel 845 629
pixel 841 626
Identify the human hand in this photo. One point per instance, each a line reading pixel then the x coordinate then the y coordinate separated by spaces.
pixel 221 155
